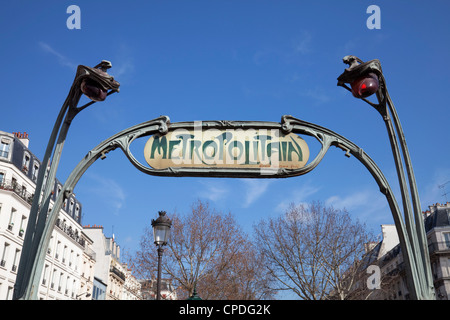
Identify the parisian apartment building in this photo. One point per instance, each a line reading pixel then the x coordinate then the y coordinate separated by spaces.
pixel 81 262
pixel 386 254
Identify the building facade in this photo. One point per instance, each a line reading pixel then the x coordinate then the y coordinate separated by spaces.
pixel 61 277
pixel 437 225
pixel 80 263
pixel 132 286
pixel 113 280
pixel 388 257
pixel 87 270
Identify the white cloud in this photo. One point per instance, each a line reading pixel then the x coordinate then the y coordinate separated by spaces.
pixel 123 64
pixel 302 44
pixel 297 196
pixel 109 191
pixel 254 188
pixel 63 60
pixel 214 190
pixel 316 94
pixel 364 205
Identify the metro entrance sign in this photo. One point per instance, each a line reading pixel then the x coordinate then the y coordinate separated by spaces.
pixel 226 148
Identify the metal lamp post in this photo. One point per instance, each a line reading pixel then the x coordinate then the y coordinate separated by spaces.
pixel 161 233
pixel 96 84
pixel 365 79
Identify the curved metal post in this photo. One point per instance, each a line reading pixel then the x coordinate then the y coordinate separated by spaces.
pixel 428 290
pixel 413 216
pixel 44 185
pixel 37 262
pixel 289 124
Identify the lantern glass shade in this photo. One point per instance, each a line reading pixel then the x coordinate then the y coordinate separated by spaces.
pixel 93 90
pixel 365 86
pixel 161 234
pixel 161 229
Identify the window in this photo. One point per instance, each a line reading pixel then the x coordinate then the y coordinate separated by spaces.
pixel 64 254
pixel 448 267
pixel 9 293
pixel 24 191
pixel 11 219
pixel 22 226
pixel 45 276
pixel 16 260
pixel 61 279
pixel 4 147
pixel 74 287
pixel 71 207
pixel 2 178
pixel 66 291
pixel 50 245
pixel 71 258
pixel 58 245
pixel 4 254
pixel 34 173
pixel 26 162
pixel 447 239
pixel 52 286
pixel 76 261
pixel 77 212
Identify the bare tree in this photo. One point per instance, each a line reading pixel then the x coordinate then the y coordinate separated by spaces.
pixel 207 251
pixel 313 250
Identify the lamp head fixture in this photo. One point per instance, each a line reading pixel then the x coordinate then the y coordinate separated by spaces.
pixel 161 229
pixel 363 77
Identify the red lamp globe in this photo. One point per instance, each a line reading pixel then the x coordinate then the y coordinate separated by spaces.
pixel 365 86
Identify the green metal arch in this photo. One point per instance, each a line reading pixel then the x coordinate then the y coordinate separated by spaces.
pixel 162 124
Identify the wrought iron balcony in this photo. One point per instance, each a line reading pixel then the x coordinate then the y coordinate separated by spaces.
pixel 117 272
pixel 10 185
pixel 71 232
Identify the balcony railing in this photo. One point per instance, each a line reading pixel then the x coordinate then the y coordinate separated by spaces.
pixel 10 185
pixel 117 272
pixel 71 232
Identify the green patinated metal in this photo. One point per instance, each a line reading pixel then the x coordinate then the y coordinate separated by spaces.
pixel 411 206
pixel 161 125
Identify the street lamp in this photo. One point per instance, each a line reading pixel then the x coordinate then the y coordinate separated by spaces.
pixel 161 233
pixel 366 79
pixel 96 84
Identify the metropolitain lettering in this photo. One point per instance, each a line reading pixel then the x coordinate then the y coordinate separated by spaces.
pixel 252 148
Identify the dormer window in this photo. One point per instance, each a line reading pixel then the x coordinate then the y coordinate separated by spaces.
pixel 71 207
pixel 26 162
pixel 5 145
pixel 77 212
pixel 34 173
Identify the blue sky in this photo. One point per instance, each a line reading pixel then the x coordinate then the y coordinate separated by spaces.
pixel 230 60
